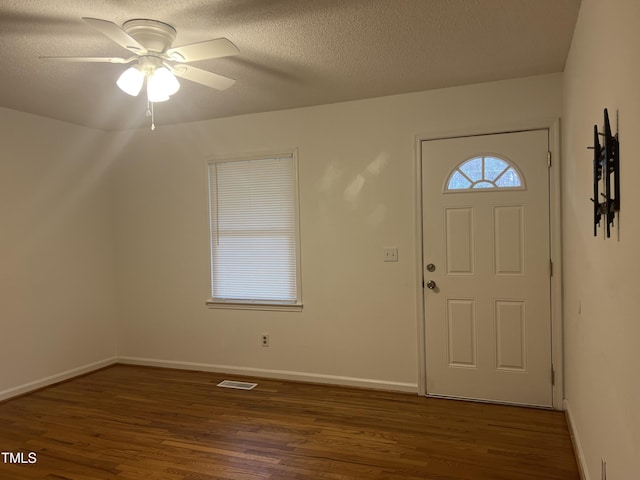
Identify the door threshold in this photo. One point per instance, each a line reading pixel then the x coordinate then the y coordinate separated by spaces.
pixel 493 402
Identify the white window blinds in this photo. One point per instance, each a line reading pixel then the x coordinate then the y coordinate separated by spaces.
pixel 254 231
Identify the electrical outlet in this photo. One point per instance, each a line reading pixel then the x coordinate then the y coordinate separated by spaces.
pixel 390 254
pixel 265 339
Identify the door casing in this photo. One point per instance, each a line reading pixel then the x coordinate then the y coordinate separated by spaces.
pixel 553 125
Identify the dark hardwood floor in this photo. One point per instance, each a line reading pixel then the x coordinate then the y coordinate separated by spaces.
pixel 128 422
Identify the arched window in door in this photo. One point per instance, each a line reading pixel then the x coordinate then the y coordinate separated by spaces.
pixel 485 172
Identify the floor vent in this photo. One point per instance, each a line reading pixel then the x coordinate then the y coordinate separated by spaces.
pixel 237 385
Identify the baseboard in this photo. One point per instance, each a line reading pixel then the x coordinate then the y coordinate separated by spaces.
pixel 275 374
pixel 575 439
pixel 57 378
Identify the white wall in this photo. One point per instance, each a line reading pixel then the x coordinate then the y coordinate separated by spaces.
pixel 602 301
pixel 99 261
pixel 56 251
pixel 359 317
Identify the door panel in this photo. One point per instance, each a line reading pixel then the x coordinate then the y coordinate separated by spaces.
pixel 459 241
pixel 510 336
pixel 488 324
pixel 461 319
pixel 508 239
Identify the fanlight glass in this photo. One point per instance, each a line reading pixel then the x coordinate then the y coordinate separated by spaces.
pixel 161 83
pixel 131 81
pixel 484 173
pixel 168 80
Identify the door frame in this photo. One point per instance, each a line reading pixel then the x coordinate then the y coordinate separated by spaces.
pixel 555 232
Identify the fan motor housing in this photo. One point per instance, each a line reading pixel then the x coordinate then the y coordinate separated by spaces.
pixel 153 35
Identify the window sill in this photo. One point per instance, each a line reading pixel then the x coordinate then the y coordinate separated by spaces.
pixel 276 307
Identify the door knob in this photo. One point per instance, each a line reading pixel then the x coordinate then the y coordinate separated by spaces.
pixel 431 284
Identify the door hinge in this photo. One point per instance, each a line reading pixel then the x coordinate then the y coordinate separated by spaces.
pixel 553 375
pixel 550 268
pixel 549 159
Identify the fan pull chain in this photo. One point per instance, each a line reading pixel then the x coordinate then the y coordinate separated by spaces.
pixel 150 113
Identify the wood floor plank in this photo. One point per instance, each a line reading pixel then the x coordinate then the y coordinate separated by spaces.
pixel 127 422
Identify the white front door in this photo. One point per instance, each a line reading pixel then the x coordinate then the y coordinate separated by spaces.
pixel 487 267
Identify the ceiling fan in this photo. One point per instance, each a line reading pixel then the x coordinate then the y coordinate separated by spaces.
pixel 155 60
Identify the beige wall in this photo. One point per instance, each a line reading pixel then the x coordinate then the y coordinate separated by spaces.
pixel 105 250
pixel 359 321
pixel 56 252
pixel 602 301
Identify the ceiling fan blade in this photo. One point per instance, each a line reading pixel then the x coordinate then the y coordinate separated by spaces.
pixel 91 59
pixel 219 47
pixel 115 33
pixel 203 77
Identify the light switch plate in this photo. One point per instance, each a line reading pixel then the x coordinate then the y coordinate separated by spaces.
pixel 390 254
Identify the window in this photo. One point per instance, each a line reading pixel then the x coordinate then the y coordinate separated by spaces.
pixel 254 233
pixel 485 172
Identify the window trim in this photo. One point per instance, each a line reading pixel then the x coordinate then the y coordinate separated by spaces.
pixel 264 305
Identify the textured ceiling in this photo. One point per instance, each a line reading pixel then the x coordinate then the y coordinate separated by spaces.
pixel 293 53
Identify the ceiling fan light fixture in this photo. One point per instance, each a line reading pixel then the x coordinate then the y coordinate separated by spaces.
pixel 161 84
pixel 154 95
pixel 167 79
pixel 131 80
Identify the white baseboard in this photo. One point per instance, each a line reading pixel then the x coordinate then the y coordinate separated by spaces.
pixel 59 377
pixel 577 446
pixel 276 374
